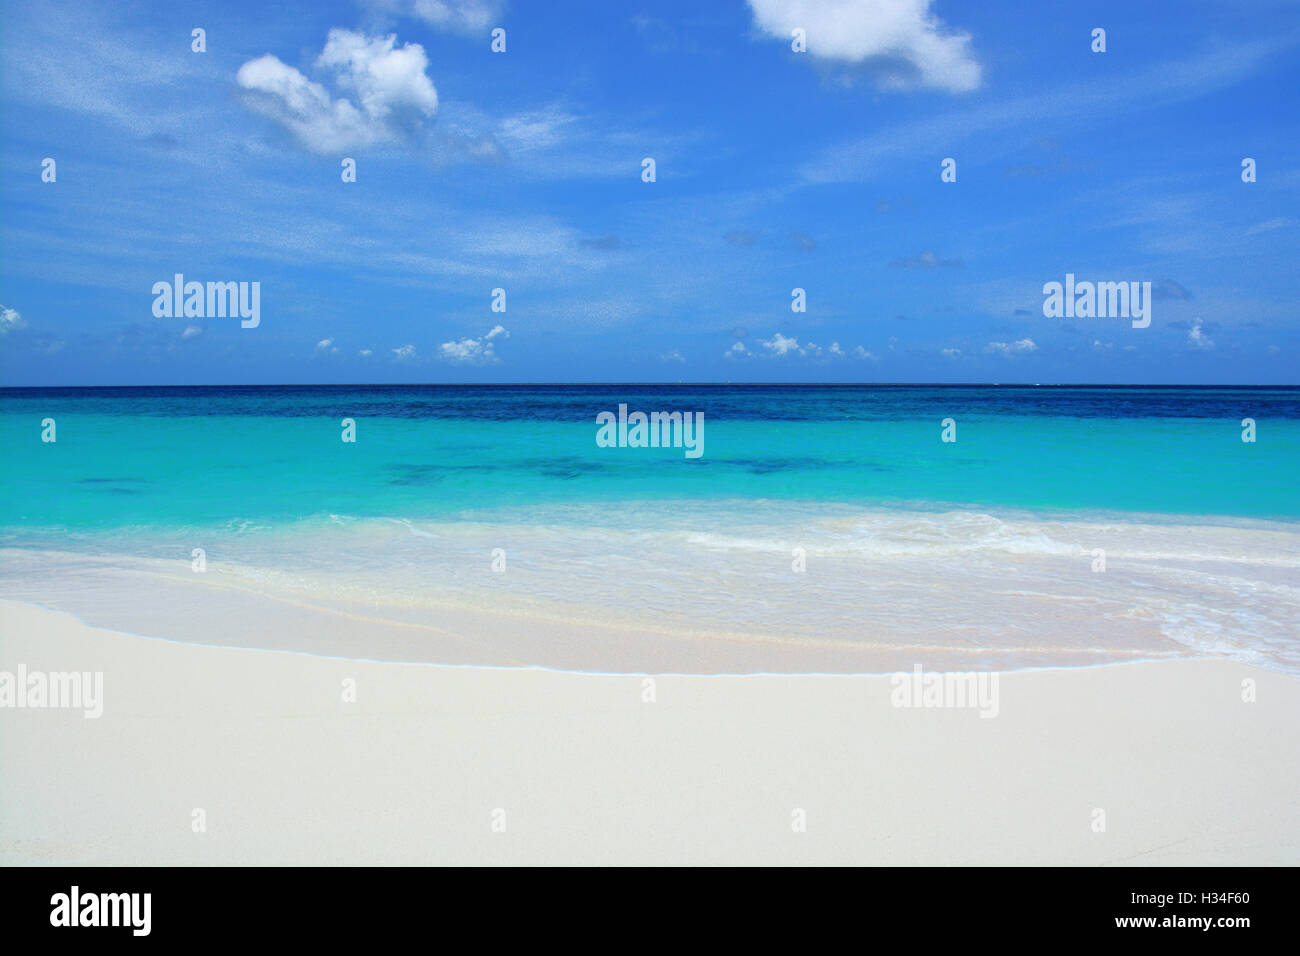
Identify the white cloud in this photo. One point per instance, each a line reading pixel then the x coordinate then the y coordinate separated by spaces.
pixel 779 344
pixel 1197 338
pixel 192 332
pixel 324 344
pixel 951 353
pixel 813 350
pixel 674 356
pixel 393 94
pixel 900 34
pixel 457 16
pixel 469 351
pixel 1003 348
pixel 10 320
pixel 404 352
pixel 366 353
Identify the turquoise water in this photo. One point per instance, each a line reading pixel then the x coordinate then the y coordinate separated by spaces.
pixel 196 457
pixel 826 514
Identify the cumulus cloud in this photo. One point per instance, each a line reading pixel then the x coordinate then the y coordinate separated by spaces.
pixel 780 345
pixel 326 346
pixel 404 353
pixel 10 320
pixel 393 94
pixel 910 44
pixel 478 351
pixel 192 332
pixel 1012 348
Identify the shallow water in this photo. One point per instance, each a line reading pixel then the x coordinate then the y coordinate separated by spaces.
pixel 989 543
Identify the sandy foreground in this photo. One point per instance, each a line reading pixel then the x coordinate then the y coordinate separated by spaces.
pixel 477 765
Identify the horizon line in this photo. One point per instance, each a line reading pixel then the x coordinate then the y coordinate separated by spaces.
pixel 727 384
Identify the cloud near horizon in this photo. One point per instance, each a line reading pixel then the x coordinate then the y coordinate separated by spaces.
pixel 470 351
pixel 1011 348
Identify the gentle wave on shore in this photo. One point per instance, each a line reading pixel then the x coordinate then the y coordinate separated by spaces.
pixel 1008 588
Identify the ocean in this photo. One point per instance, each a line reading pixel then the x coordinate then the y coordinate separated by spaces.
pixel 1062 525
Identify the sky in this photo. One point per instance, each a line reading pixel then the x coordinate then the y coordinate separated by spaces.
pixel 775 169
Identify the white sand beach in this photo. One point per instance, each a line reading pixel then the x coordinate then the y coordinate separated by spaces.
pixel 450 764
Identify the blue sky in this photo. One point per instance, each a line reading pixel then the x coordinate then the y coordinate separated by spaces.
pixel 775 170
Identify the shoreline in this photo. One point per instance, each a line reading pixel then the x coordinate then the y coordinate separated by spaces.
pixel 157 599
pixel 694 591
pixel 585 672
pixel 584 769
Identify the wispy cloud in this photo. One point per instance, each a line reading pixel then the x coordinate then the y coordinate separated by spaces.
pixel 1080 103
pixel 1268 225
pixel 457 16
pixel 926 260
